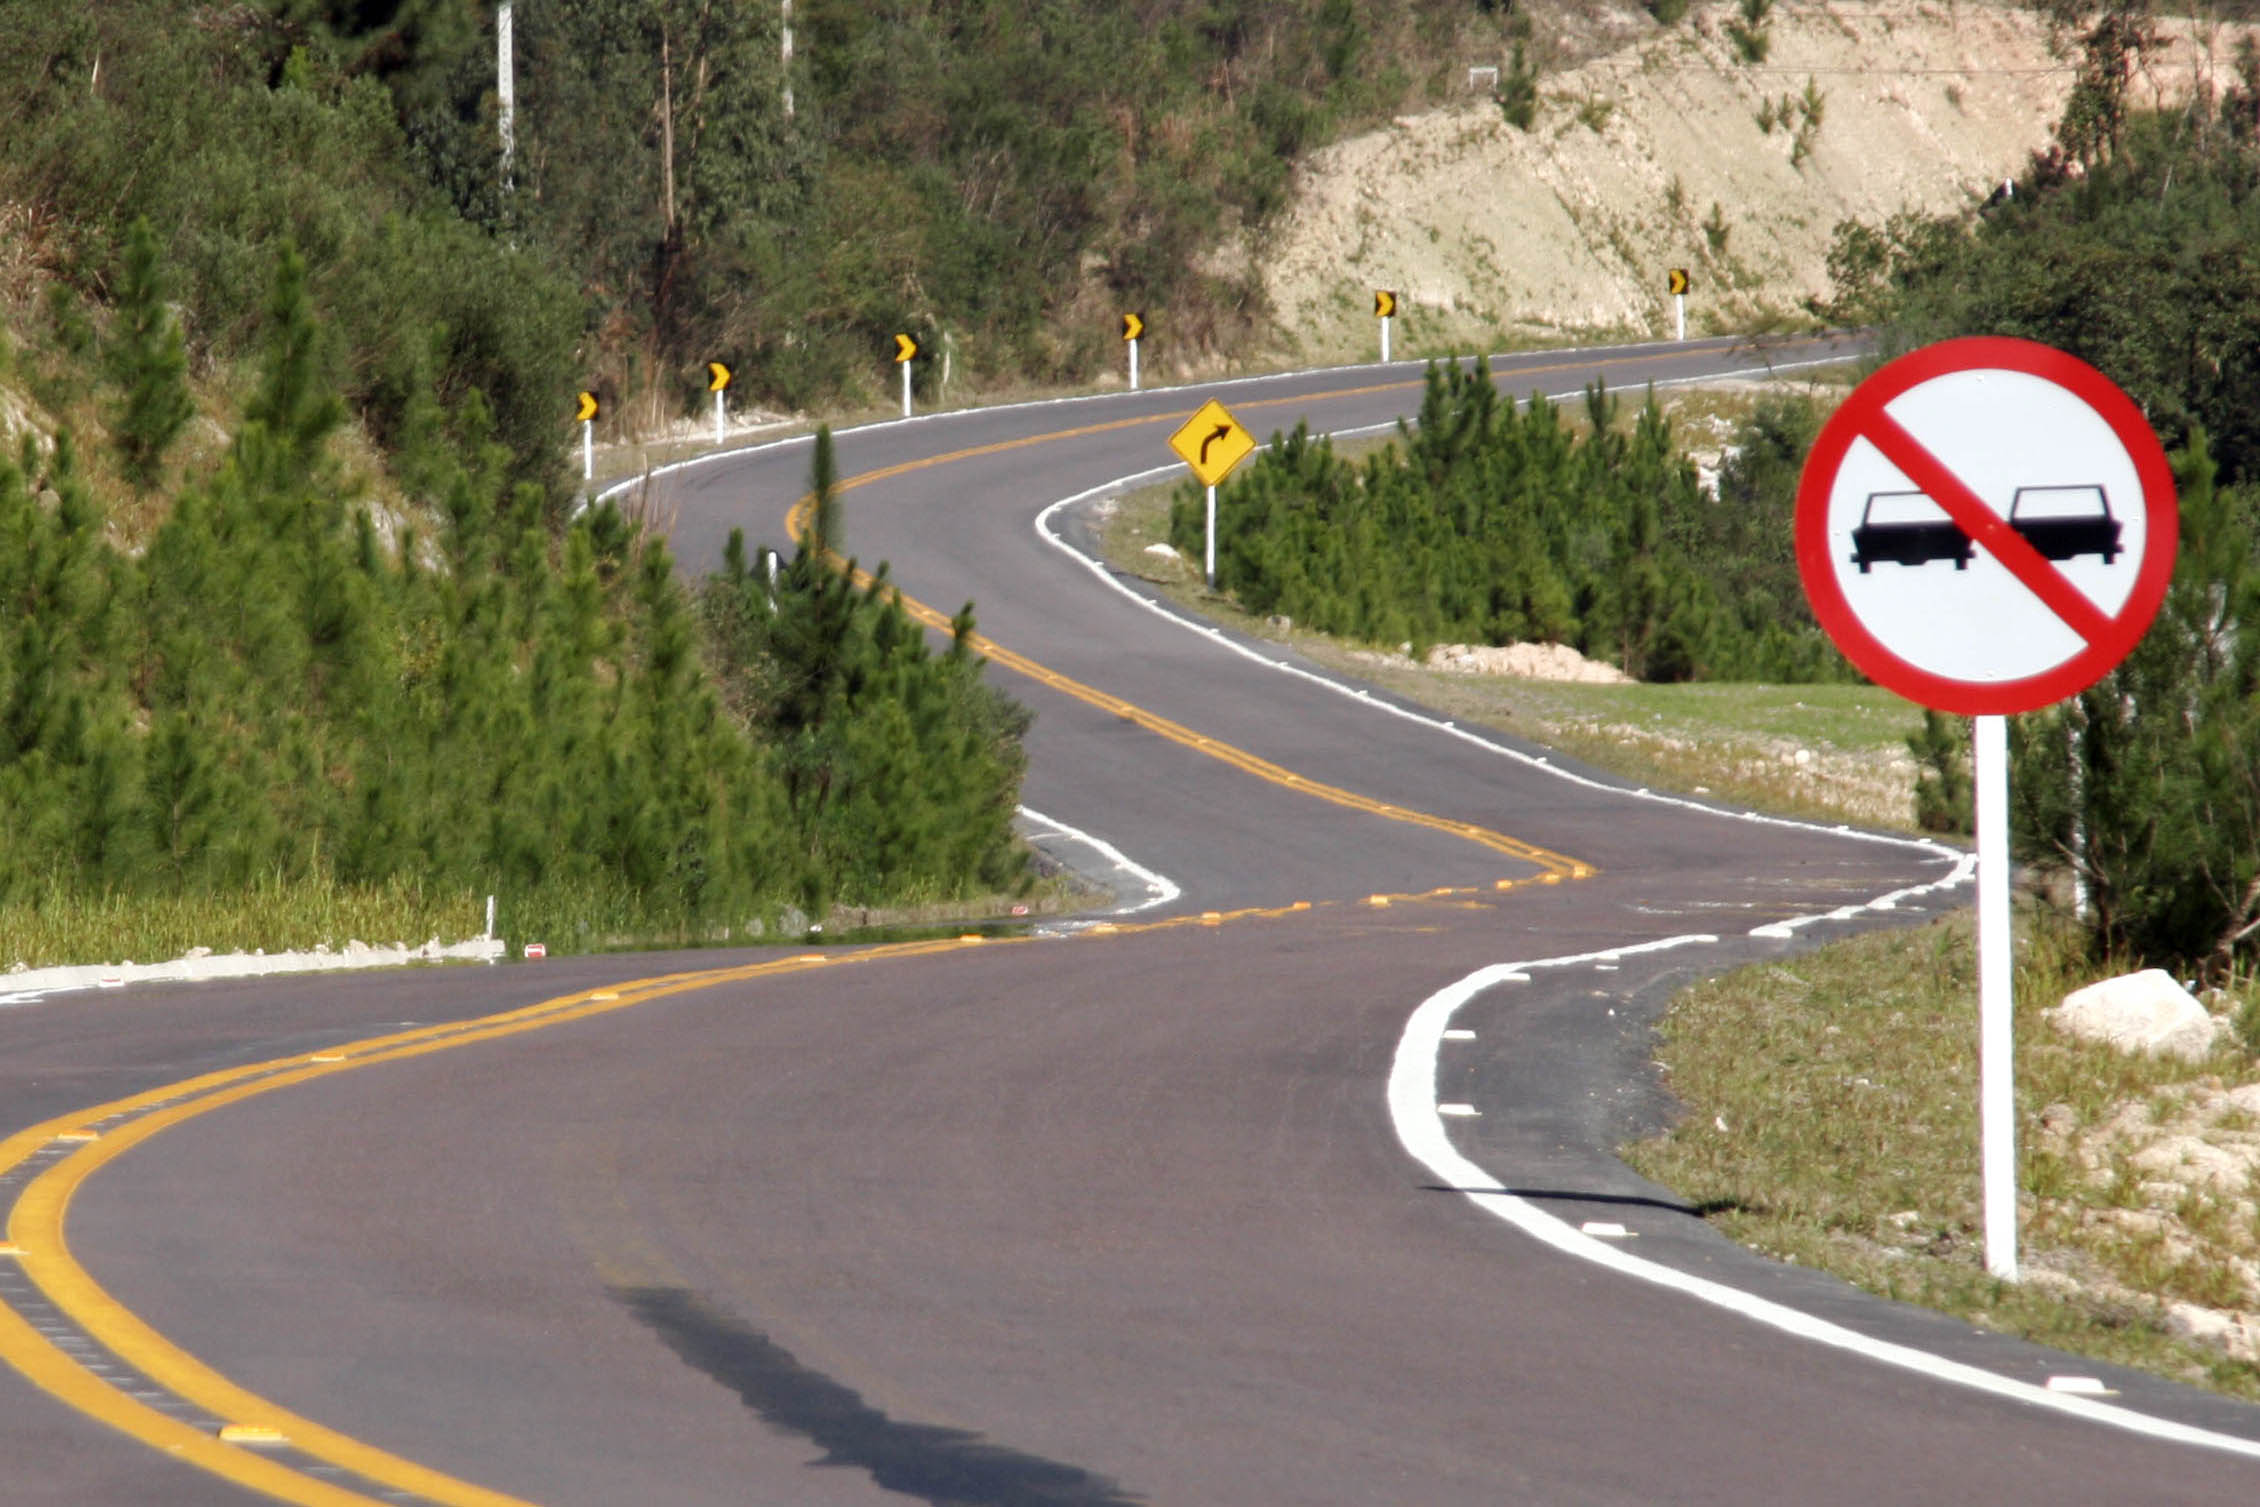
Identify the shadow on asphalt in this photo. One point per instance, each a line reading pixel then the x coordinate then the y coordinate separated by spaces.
pixel 1619 1200
pixel 942 1466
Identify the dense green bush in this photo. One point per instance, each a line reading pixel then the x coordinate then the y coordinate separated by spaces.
pixel 1490 523
pixel 203 124
pixel 274 692
pixel 997 170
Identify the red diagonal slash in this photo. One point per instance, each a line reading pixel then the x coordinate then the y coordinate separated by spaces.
pixel 1987 529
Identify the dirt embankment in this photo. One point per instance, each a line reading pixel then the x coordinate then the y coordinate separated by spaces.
pixel 1657 153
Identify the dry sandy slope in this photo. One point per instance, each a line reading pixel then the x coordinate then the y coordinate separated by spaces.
pixel 1490 234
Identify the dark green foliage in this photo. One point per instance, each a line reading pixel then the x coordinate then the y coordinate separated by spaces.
pixel 208 124
pixel 901 768
pixel 1518 90
pixel 985 167
pixel 1490 524
pixel 1747 31
pixel 2147 266
pixel 2148 784
pixel 148 361
pixel 1944 796
pixel 2143 264
pixel 272 694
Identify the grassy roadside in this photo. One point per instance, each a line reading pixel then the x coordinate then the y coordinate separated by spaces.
pixel 1826 752
pixel 1830 1102
pixel 276 917
pixel 1832 1118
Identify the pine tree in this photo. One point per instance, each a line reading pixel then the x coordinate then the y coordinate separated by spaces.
pixel 296 402
pixel 2145 784
pixel 148 358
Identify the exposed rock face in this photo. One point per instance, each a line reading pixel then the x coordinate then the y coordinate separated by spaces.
pixel 2138 1012
pixel 1667 151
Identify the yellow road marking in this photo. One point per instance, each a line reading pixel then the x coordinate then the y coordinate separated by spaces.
pixel 35 1224
pixel 1553 865
pixel 35 1229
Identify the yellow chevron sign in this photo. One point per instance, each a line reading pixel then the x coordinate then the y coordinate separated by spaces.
pixel 906 349
pixel 1133 326
pixel 586 409
pixel 1678 281
pixel 1384 304
pixel 717 376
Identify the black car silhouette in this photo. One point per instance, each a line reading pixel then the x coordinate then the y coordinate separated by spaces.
pixel 1913 530
pixel 2059 522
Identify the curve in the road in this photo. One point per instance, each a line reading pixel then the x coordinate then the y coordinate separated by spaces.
pixel 46 1164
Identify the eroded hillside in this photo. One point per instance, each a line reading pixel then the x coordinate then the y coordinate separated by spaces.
pixel 1667 150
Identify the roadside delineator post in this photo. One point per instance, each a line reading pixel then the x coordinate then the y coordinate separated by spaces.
pixel 906 351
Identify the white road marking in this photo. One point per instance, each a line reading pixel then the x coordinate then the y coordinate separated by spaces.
pixel 1159 889
pixel 1418 1119
pixel 1963 864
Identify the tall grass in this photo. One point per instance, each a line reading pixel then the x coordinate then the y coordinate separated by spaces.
pixel 273 915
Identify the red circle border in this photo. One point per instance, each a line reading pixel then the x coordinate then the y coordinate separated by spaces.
pixel 1999 697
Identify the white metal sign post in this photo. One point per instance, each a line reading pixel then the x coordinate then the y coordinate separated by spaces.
pixel 1133 327
pixel 1212 442
pixel 717 381
pixel 585 412
pixel 1986 527
pixel 906 351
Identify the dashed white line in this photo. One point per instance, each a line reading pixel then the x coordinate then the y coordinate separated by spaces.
pixel 1420 1127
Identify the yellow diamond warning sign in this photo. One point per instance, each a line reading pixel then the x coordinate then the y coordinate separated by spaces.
pixel 1212 443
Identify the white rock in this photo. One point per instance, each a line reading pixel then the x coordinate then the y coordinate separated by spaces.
pixel 2192 1161
pixel 2138 1012
pixel 1166 551
pixel 2237 1333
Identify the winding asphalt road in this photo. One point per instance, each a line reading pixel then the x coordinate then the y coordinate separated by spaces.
pixel 1263 1191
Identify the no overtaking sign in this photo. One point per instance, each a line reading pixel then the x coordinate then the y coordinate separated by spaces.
pixel 1986 526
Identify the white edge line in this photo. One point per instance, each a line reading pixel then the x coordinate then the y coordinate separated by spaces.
pixel 1412 1078
pixel 1412 1109
pixel 1963 863
pixel 1160 890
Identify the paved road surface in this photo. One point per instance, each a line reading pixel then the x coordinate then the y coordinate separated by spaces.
pixel 1060 1220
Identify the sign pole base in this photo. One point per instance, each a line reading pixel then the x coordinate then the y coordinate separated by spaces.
pixel 1997 1092
pixel 1385 342
pixel 1133 364
pixel 588 450
pixel 1208 572
pixel 906 389
pixel 1679 311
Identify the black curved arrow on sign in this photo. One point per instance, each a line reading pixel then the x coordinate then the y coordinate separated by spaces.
pixel 1222 431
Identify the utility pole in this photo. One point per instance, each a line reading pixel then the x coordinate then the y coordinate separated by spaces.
pixel 786 72
pixel 506 86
